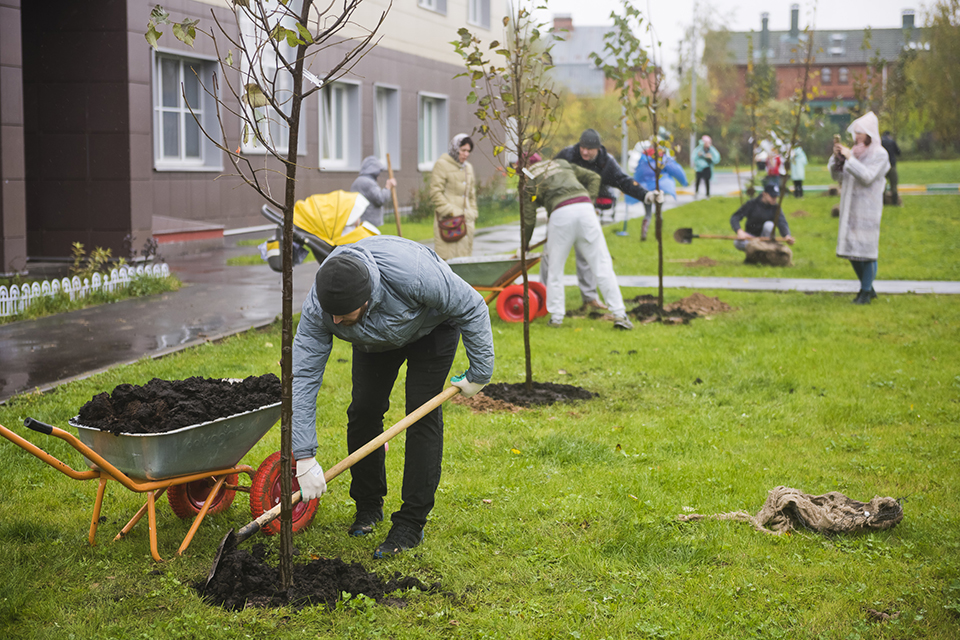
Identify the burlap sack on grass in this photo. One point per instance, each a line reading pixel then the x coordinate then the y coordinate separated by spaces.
pixel 787 509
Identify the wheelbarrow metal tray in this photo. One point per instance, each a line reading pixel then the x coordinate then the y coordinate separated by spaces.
pixel 489 271
pixel 218 444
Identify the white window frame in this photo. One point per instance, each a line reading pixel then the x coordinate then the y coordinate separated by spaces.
pixel 209 157
pixel 432 136
pixel 478 13
pixel 386 123
pixel 826 75
pixel 278 132
pixel 843 76
pixel 340 117
pixel 438 6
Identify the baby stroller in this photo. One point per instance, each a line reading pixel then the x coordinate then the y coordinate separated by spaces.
pixel 320 223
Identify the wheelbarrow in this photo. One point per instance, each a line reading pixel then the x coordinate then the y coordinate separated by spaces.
pixel 196 466
pixel 494 277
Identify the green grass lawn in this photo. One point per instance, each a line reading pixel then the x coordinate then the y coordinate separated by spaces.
pixel 917 241
pixel 908 171
pixel 560 522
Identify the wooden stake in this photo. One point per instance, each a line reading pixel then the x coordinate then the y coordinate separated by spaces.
pixel 393 193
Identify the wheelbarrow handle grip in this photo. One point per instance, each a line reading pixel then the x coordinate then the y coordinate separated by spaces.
pixel 39 427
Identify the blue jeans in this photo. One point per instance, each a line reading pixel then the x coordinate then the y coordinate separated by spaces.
pixel 866 271
pixel 428 365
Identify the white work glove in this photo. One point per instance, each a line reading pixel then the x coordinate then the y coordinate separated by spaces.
pixel 310 476
pixel 653 196
pixel 467 389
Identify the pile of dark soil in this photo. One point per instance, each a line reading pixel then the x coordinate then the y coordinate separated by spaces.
pixel 244 579
pixel 166 405
pixel 695 305
pixel 482 403
pixel 542 393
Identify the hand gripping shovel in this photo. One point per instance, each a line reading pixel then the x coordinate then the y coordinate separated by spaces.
pixel 232 539
pixel 686 236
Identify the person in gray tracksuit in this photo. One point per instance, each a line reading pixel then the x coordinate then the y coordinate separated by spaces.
pixel 366 185
pixel 396 302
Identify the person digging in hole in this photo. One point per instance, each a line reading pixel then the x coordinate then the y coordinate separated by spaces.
pixel 395 301
pixel 590 154
pixel 760 212
pixel 566 191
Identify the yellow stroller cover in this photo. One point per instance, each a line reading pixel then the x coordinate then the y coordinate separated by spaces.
pixel 334 217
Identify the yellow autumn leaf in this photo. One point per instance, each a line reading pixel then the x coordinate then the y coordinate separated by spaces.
pixel 515 452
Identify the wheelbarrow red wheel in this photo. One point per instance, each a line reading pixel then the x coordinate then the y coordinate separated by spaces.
pixel 510 304
pixel 186 500
pixel 540 290
pixel 265 495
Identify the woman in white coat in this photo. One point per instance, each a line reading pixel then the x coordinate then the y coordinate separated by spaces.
pixel 861 172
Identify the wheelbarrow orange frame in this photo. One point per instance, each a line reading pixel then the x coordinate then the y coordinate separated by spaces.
pixel 505 282
pixel 106 472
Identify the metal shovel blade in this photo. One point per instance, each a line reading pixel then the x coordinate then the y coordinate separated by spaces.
pixel 234 538
pixel 684 236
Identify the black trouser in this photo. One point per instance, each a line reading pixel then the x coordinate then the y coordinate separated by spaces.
pixel 798 188
pixel 428 364
pixel 704 175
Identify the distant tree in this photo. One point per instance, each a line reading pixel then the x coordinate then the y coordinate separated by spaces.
pixel 518 108
pixel 938 73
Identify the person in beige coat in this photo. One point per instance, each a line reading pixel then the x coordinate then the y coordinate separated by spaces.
pixel 453 192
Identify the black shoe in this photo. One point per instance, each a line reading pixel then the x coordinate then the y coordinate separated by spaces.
pixel 365 521
pixel 873 294
pixel 401 538
pixel 862 298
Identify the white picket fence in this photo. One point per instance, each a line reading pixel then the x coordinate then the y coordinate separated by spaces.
pixel 18 299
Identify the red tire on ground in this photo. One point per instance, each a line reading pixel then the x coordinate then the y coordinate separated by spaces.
pixel 540 290
pixel 510 304
pixel 265 495
pixel 186 500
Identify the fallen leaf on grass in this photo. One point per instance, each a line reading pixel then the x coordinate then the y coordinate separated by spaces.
pixel 882 616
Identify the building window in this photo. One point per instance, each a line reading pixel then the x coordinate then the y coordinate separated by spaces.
pixel 179 144
pixel 825 74
pixel 433 127
pixel 340 126
pixel 386 124
pixel 478 13
pixel 838 44
pixel 264 73
pixel 440 6
pixel 843 76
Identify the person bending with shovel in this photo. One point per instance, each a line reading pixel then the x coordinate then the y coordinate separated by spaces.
pixel 760 213
pixel 395 301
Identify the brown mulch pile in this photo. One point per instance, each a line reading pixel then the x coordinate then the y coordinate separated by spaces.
pixel 702 261
pixel 482 403
pixel 696 305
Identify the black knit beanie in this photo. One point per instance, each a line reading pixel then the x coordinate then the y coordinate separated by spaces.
pixel 343 284
pixel 590 139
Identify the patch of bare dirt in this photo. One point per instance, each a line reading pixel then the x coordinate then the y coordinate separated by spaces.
pixel 541 393
pixel 244 579
pixel 702 261
pixel 799 213
pixel 482 403
pixel 695 305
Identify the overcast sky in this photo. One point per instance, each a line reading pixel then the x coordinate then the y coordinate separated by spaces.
pixel 670 18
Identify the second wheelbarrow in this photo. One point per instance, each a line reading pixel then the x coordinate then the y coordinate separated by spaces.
pixel 494 276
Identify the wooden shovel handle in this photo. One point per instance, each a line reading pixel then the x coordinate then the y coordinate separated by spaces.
pixel 353 458
pixel 393 194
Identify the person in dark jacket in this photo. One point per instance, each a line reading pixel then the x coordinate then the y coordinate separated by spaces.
pixel 759 215
pixel 397 303
pixel 367 186
pixel 590 154
pixel 893 150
